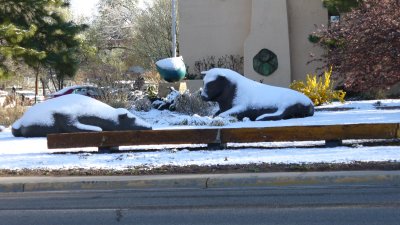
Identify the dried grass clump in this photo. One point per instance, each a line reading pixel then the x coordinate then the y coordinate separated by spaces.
pixel 9 115
pixel 191 103
pixel 142 104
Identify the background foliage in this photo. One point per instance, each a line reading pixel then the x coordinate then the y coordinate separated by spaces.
pixel 319 90
pixel 364 47
pixel 336 7
pixel 39 34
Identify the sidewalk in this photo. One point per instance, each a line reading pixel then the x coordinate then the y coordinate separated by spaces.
pixel 199 181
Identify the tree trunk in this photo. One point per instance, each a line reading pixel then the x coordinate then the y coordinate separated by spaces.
pixel 36 82
pixel 53 82
pixel 43 86
pixel 60 84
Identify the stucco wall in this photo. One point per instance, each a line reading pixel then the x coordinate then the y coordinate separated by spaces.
pixel 269 30
pixel 244 27
pixel 303 15
pixel 212 28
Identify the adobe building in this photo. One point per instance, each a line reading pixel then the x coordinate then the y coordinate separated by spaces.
pixel 271 35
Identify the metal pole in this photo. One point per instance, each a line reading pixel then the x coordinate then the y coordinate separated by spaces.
pixel 173 29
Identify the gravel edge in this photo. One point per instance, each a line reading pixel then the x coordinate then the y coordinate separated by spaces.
pixel 217 169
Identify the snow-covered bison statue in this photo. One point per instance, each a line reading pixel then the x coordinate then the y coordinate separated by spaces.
pixel 239 96
pixel 74 113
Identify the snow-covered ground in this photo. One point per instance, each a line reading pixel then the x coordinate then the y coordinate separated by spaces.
pixel 32 153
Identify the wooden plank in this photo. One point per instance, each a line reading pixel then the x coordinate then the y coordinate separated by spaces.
pixel 310 133
pixel 139 137
pixel 224 135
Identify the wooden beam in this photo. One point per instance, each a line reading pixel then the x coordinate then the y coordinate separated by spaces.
pixel 126 138
pixel 224 135
pixel 311 133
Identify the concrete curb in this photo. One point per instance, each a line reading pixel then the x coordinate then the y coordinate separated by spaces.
pixel 199 181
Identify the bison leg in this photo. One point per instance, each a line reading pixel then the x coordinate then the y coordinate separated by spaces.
pixel 16 132
pixel 66 124
pixel 232 111
pixel 278 115
pixel 294 111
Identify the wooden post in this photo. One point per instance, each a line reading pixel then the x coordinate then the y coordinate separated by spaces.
pixel 108 149
pixel 217 144
pixel 333 143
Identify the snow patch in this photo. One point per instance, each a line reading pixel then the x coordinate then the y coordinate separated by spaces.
pixel 32 153
pixel 174 63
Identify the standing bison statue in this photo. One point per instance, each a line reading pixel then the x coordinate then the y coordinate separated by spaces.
pixel 241 97
pixel 74 113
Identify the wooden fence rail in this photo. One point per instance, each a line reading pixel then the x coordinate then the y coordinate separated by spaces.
pixel 221 136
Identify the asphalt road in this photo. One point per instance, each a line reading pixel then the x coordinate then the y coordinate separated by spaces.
pixel 297 205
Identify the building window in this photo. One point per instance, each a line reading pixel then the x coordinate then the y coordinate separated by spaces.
pixel 265 62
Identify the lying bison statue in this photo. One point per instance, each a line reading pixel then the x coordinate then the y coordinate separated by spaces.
pixel 74 113
pixel 239 96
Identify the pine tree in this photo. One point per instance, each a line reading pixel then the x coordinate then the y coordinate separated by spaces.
pixel 17 23
pixel 52 41
pixel 10 39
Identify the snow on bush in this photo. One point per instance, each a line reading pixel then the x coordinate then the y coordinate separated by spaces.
pixel 186 103
pixel 142 104
pixel 191 104
pixel 196 120
pixel 165 103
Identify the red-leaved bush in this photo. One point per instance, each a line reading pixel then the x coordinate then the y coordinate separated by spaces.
pixel 364 47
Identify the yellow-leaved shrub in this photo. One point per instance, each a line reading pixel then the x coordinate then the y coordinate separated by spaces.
pixel 319 90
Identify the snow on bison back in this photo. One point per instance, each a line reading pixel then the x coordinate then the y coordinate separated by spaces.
pixel 74 113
